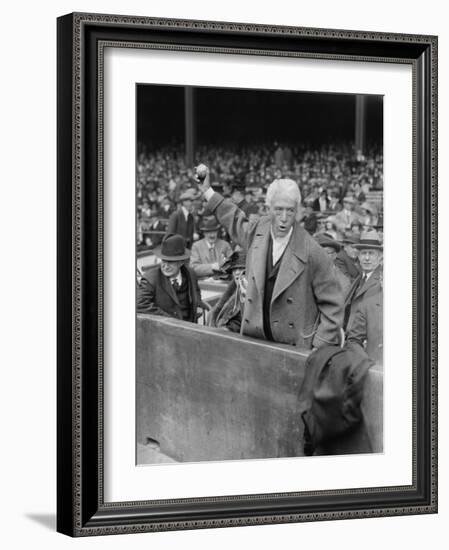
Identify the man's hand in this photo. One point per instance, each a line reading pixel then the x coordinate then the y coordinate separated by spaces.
pixel 202 177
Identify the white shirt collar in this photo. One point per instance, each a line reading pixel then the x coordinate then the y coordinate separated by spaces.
pixel 185 211
pixel 280 244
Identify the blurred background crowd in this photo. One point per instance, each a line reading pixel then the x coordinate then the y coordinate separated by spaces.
pixel 341 189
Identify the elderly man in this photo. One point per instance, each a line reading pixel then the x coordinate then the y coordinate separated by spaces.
pixel 369 282
pixel 170 289
pixel 209 253
pixel 293 296
pixel 181 221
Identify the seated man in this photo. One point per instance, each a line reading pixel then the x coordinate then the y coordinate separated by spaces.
pixel 209 253
pixel 171 289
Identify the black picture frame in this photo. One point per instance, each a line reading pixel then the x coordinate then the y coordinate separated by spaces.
pixel 81 510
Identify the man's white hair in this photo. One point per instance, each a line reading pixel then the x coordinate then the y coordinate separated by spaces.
pixel 286 187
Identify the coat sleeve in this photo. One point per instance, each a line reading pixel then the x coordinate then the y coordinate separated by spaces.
pixel 358 331
pixel 230 217
pixel 145 299
pixel 200 268
pixel 329 300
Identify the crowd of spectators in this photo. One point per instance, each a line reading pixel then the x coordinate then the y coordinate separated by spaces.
pixel 325 176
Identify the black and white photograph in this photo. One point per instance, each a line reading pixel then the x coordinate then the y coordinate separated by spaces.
pixel 259 274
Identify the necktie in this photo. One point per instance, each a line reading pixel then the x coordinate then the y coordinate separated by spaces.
pixel 212 255
pixel 363 280
pixel 175 284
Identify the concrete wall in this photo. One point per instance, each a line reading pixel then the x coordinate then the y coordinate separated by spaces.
pixel 206 394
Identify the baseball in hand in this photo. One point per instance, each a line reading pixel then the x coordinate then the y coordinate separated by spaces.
pixel 201 171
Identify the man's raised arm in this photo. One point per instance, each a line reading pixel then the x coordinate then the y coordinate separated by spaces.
pixel 227 213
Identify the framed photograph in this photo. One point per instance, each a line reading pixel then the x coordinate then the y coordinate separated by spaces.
pixel 247 276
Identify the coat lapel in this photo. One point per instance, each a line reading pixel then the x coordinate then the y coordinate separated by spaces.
pixel 372 281
pixel 259 249
pixel 292 262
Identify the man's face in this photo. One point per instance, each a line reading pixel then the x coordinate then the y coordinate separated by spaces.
pixel 171 269
pixel 348 205
pixel 283 214
pixel 188 205
pixel 369 259
pixel 210 236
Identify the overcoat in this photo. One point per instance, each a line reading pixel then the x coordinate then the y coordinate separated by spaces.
pixel 367 327
pixel 371 287
pixel 155 294
pixel 200 259
pixel 307 303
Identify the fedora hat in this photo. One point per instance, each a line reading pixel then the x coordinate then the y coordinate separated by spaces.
pixel 369 240
pixel 350 238
pixel 349 199
pixel 326 241
pixel 190 194
pixel 209 224
pixel 173 248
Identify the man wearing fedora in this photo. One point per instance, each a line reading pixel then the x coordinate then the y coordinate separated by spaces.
pixel 171 289
pixel 369 283
pixel 209 253
pixel 182 222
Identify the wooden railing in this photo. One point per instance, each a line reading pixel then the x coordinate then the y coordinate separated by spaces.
pixel 207 394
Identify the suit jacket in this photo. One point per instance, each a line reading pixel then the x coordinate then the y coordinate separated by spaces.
pixel 200 259
pixel 348 266
pixel 371 287
pixel 367 327
pixel 178 224
pixel 156 295
pixel 306 308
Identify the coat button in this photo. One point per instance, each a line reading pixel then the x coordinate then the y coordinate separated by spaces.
pixel 276 321
pixel 246 320
pixel 289 300
pixel 250 300
pixel 291 325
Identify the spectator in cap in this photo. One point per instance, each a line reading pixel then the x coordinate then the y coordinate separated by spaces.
pixel 227 313
pixel 182 222
pixel 171 288
pixel 209 253
pixel 293 296
pixel 369 282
